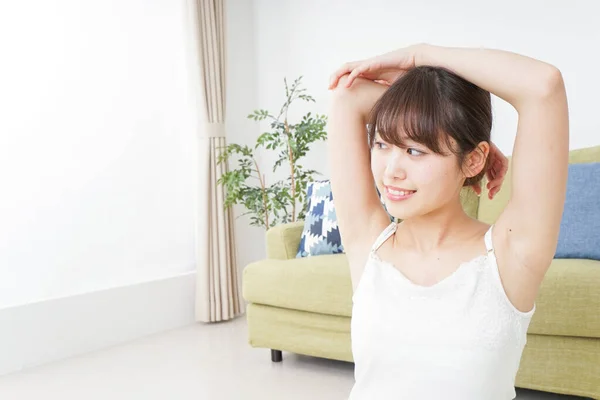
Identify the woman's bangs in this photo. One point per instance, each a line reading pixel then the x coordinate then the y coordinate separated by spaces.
pixel 416 115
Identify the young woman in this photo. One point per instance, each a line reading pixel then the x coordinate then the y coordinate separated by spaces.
pixel 442 302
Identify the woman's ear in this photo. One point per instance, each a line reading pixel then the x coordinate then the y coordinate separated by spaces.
pixel 476 159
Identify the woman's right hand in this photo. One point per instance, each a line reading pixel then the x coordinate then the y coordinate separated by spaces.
pixel 385 68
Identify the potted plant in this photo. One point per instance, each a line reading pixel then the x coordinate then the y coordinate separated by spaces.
pixel 282 201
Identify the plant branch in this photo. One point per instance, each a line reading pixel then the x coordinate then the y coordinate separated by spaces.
pixel 292 172
pixel 261 178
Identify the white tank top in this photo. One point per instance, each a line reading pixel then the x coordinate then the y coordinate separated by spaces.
pixel 459 339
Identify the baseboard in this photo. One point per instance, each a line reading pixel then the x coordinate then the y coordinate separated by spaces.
pixel 47 331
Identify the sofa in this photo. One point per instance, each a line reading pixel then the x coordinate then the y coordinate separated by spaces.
pixel 304 305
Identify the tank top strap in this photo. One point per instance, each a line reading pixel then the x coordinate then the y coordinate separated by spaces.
pixel 488 240
pixel 383 236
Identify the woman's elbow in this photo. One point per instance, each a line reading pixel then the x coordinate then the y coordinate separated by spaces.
pixel 552 82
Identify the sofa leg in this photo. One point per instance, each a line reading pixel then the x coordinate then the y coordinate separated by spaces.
pixel 276 356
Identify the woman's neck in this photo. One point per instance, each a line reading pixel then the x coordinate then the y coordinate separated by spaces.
pixel 434 231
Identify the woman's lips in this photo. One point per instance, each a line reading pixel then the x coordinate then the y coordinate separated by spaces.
pixel 398 195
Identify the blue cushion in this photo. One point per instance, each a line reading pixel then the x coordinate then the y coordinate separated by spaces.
pixel 320 234
pixel 579 235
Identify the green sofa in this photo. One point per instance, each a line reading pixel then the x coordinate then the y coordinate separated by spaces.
pixel 304 305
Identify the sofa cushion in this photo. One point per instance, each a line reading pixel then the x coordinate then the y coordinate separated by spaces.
pixel 580 224
pixel 321 234
pixel 317 284
pixel 569 299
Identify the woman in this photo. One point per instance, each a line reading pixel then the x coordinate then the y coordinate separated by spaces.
pixel 442 302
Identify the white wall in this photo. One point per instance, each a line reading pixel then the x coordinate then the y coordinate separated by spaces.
pixel 98 157
pixel 241 100
pixel 97 147
pixel 314 37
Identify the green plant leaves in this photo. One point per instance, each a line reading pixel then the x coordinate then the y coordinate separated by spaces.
pixel 283 201
pixel 259 115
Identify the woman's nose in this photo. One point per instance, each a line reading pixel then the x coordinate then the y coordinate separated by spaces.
pixel 394 168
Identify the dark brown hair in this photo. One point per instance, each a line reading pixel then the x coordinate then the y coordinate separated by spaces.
pixel 431 106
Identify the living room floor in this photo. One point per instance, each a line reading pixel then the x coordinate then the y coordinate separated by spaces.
pixel 195 362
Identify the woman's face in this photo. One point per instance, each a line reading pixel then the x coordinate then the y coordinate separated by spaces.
pixel 414 181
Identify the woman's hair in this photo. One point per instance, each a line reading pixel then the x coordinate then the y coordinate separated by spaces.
pixel 431 105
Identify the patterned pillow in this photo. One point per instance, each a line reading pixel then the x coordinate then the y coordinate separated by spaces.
pixel 321 234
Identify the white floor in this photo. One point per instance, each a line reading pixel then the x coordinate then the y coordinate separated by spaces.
pixel 196 362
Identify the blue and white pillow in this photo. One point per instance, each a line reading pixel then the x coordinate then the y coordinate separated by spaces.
pixel 321 234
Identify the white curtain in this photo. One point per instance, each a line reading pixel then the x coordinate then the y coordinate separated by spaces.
pixel 217 290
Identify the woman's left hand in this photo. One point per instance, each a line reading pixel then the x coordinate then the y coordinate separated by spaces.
pixel 498 166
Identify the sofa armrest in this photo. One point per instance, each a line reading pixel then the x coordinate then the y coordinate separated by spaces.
pixel 283 240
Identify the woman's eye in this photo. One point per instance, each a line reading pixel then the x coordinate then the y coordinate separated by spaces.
pixel 380 145
pixel 415 152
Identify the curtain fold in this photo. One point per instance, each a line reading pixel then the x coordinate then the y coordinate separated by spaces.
pixel 217 291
